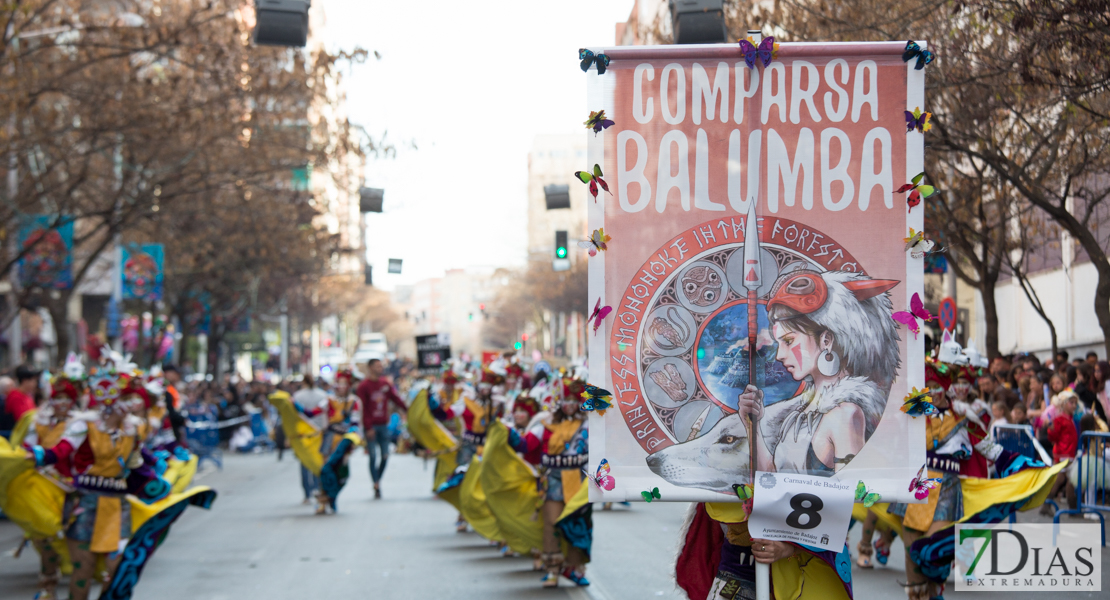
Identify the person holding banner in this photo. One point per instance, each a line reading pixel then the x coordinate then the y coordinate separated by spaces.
pixel 563 439
pixel 834 334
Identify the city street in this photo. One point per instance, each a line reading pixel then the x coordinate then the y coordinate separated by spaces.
pixel 259 541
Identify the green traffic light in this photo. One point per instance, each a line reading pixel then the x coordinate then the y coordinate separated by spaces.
pixel 561 252
pixel 517 345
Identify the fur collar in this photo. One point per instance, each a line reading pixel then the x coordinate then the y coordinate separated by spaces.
pixel 860 391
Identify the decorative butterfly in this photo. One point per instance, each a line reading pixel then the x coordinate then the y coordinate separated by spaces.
pixel 603 480
pixel 743 491
pixel 594 179
pixel 599 314
pixel 918 403
pixel 921 484
pixel 917 245
pixel 588 57
pixel 912 50
pixel 746 495
pixel 652 495
pixel 909 318
pixel 597 399
pixel 596 242
pixel 765 53
pixel 597 121
pixel 867 498
pixel 918 120
pixel 916 190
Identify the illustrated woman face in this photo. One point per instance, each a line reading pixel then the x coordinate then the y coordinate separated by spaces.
pixel 798 352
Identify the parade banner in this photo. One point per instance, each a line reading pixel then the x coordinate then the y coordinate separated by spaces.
pixel 755 256
pixel 142 271
pixel 48 261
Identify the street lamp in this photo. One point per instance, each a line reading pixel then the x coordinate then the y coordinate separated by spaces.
pixel 281 22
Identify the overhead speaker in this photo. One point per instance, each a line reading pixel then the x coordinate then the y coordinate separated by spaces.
pixel 370 200
pixel 698 21
pixel 556 196
pixel 281 22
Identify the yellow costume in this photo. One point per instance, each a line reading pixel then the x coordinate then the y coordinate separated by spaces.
pixel 304 437
pixel 510 487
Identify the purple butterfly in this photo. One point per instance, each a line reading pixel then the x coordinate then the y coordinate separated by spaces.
pixel 599 314
pixel 764 53
pixel 909 318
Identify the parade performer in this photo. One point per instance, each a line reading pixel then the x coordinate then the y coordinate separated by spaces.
pixel 101 458
pixel 957 452
pixel 174 462
pixel 341 437
pixel 436 437
pixel 49 424
pixel 321 456
pixel 510 480
pixel 474 411
pixel 480 414
pixel 563 439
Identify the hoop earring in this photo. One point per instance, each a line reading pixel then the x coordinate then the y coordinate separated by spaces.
pixel 829 363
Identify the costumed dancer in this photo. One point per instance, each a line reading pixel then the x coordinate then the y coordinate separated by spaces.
pixel 49 425
pixel 509 481
pixel 563 440
pixel 472 496
pixel 340 438
pixel 437 438
pixel 475 411
pixel 174 462
pixel 98 452
pixel 957 454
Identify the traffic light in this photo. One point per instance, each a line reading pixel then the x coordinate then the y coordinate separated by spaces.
pixel 560 244
pixel 518 345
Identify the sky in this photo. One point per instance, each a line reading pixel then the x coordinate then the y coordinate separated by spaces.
pixel 461 90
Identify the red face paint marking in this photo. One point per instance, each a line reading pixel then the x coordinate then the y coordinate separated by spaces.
pixel 797 354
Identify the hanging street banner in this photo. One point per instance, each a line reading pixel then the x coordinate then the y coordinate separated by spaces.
pixel 141 266
pixel 432 352
pixel 48 261
pixel 756 254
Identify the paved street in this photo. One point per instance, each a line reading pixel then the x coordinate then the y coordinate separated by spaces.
pixel 259 541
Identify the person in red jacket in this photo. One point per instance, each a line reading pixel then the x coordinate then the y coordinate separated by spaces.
pixel 376 394
pixel 1061 431
pixel 21 400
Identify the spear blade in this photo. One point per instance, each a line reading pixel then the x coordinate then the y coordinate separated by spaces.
pixel 753 272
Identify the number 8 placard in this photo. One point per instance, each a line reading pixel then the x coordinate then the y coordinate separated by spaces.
pixel 803 509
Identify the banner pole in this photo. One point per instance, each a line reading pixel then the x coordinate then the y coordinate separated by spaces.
pixel 751 240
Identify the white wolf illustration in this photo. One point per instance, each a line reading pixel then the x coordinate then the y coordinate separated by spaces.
pixel 714 461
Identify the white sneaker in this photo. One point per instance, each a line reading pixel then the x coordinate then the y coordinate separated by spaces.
pixel 1090 516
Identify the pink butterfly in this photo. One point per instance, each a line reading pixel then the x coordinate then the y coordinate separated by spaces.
pixel 917 311
pixel 921 484
pixel 599 314
pixel 603 480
